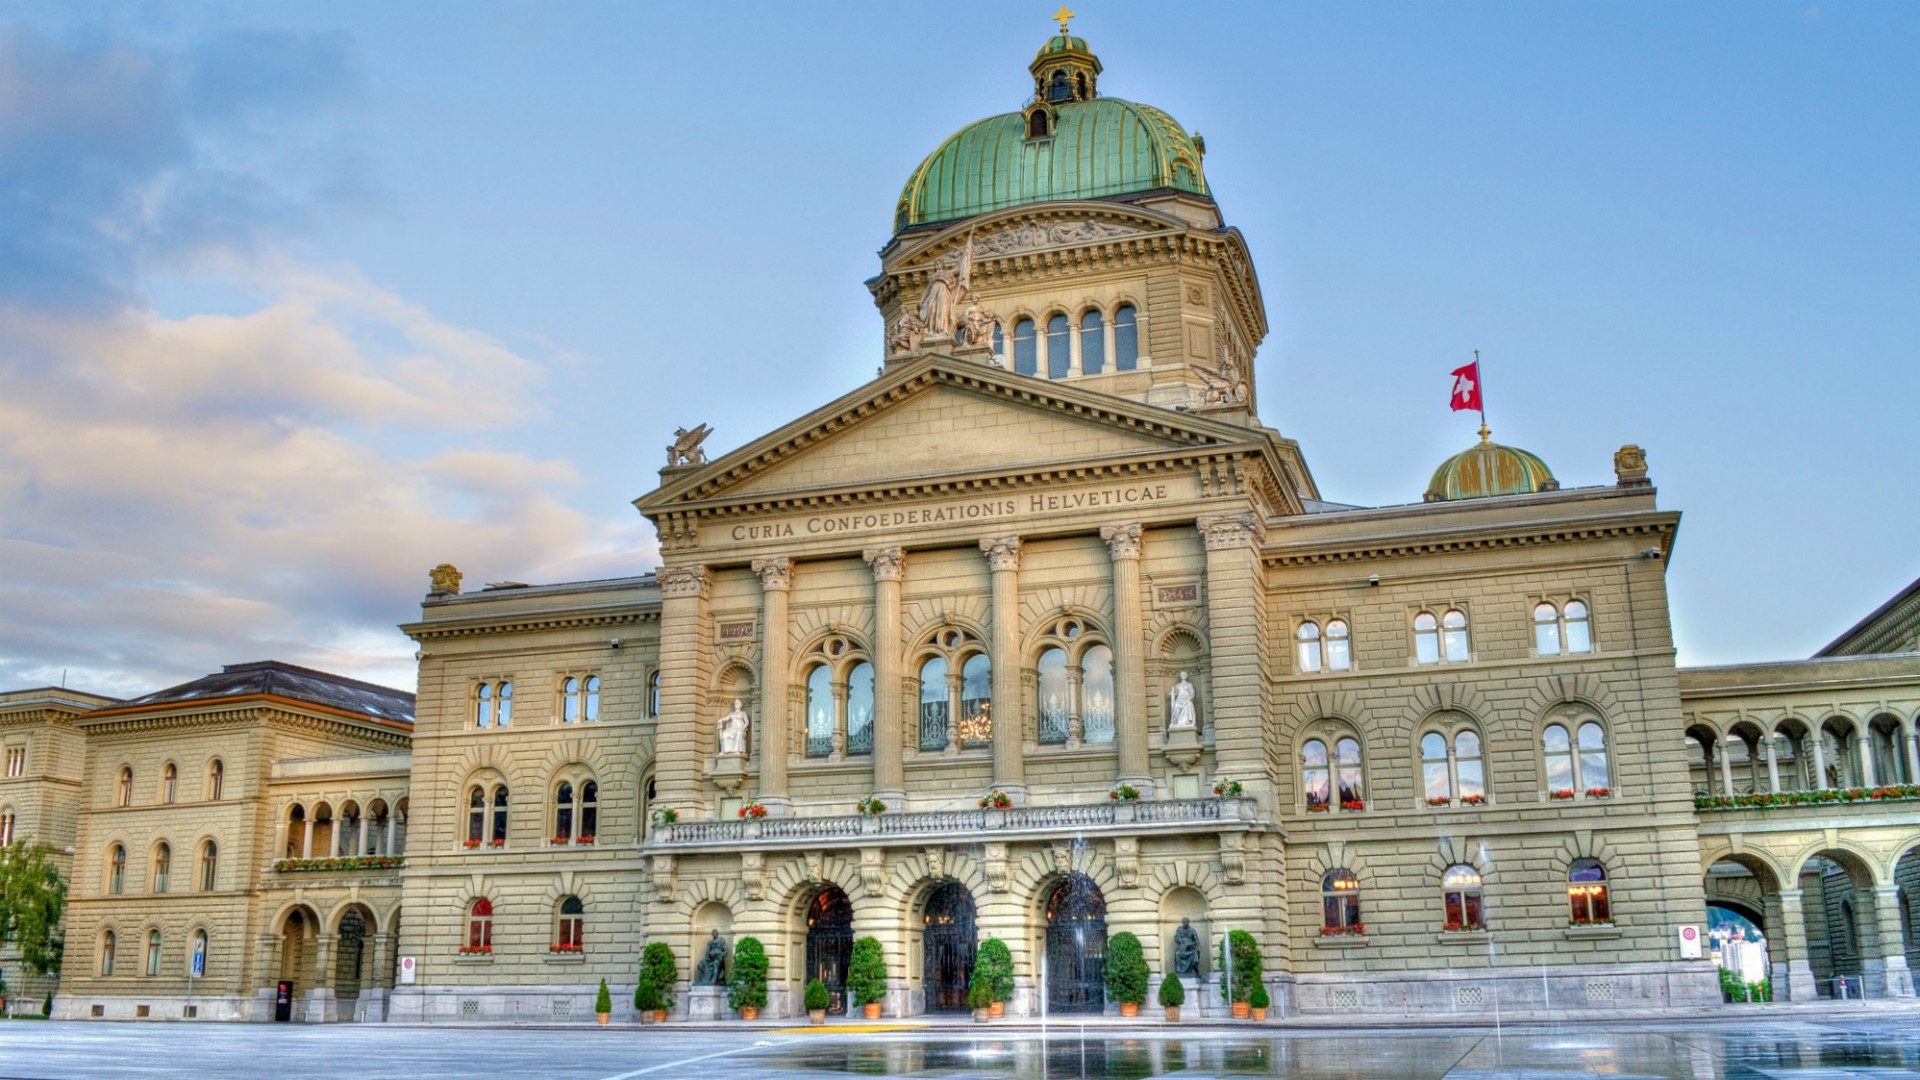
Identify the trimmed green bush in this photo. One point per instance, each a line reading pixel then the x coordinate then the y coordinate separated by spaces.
pixel 867 972
pixel 659 973
pixel 1258 999
pixel 646 998
pixel 1172 992
pixel 747 985
pixel 980 989
pixel 997 961
pixel 818 997
pixel 1126 970
pixel 603 1001
pixel 1245 966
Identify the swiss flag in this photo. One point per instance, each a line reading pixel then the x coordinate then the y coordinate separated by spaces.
pixel 1466 387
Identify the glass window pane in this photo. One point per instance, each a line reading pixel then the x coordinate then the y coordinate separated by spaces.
pixel 933 704
pixel 1313 753
pixel 860 709
pixel 1460 876
pixel 1026 351
pixel 1339 655
pixel 591 708
pixel 1310 655
pixel 1433 779
pixel 1059 346
pixel 1433 746
pixel 1126 338
pixel 1473 779
pixel 1546 638
pixel 504 716
pixel 1053 696
pixel 1454 631
pixel 1317 782
pixel 1555 739
pixel 1093 344
pixel 1426 647
pixel 1096 695
pixel 570 701
pixel 820 716
pixel 1466 744
pixel 1579 631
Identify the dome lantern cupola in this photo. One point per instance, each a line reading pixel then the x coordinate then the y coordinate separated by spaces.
pixel 1064 69
pixel 1489 469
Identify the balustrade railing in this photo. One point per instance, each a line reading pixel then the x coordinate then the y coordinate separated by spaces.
pixel 1157 813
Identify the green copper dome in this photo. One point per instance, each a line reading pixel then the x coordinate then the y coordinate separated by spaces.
pixel 1068 143
pixel 1489 469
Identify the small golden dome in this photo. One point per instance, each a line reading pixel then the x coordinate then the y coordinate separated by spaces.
pixel 1489 469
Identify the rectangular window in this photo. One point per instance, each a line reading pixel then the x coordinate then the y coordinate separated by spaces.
pixel 16 761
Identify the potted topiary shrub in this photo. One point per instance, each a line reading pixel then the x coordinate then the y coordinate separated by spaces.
pixel 1126 973
pixel 867 976
pixel 747 985
pixel 1173 994
pixel 1240 955
pixel 603 1004
pixel 997 960
pixel 658 974
pixel 980 995
pixel 1257 1001
pixel 818 998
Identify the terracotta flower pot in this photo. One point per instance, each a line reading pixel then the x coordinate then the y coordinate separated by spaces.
pixel 996 1010
pixel 660 1016
pixel 749 1012
pixel 1173 1014
pixel 1240 1010
pixel 1129 1010
pixel 873 1010
pixel 603 1018
pixel 818 1016
pixel 1259 1014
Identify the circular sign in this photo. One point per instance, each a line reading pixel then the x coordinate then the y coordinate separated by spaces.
pixel 1688 933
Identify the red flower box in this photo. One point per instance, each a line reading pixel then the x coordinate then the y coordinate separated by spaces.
pixel 470 843
pixel 1563 793
pixel 1599 793
pixel 1473 800
pixel 753 810
pixel 1353 804
pixel 588 839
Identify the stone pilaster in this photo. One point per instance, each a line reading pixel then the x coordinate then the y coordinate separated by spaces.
pixel 1129 660
pixel 1798 972
pixel 682 727
pixel 889 779
pixel 776 574
pixel 1009 726
pixel 1236 642
pixel 1890 943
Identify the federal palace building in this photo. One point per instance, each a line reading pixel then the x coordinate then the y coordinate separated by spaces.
pixel 1432 756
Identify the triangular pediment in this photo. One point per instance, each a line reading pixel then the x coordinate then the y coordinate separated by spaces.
pixel 941 416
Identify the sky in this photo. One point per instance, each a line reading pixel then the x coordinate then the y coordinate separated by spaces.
pixel 298 300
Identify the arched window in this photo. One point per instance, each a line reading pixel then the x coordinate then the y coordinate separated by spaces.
pixel 476 816
pixel 580 699
pixel 162 866
pixel 1561 630
pixel 124 797
pixel 1441 640
pixel 1453 635
pixel 1579 630
pixel 479 927
pixel 820 710
pixel 572 926
pixel 1469 767
pixel 1436 779
pixel 216 779
pixel 934 703
pixel 107 943
pixel 1037 126
pixel 563 814
pixel 6 825
pixel 1096 694
pixel 483 705
pixel 153 952
pixel 1426 638
pixel 503 699
pixel 999 340
pixel 1587 893
pixel 1339 647
pixel 1346 760
pixel 1053 696
pixel 653 696
pixel 1316 779
pixel 1093 343
pixel 1581 774
pixel 169 783
pixel 116 869
pixel 590 699
pixel 860 709
pixel 1126 338
pixel 1595 778
pixel 570 700
pixel 1546 629
pixel 499 837
pixel 1460 899
pixel 1059 346
pixel 589 812
pixel 1451 765
pixel 1308 648
pixel 197 965
pixel 209 865
pixel 1340 903
pixel 976 701
pixel 1059 89
pixel 1026 352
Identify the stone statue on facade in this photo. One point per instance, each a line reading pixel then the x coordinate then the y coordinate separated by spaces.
pixel 1186 950
pixel 949 286
pixel 1180 714
pixel 1224 387
pixel 733 729
pixel 713 963
pixel 443 580
pixel 907 335
pixel 976 328
pixel 686 446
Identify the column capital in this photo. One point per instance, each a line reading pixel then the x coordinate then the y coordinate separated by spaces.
pixel 1123 541
pixel 1226 531
pixel 683 581
pixel 886 562
pixel 776 572
pixel 1003 552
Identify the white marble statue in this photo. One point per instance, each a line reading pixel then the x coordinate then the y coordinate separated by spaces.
pixel 950 286
pixel 733 730
pixel 1180 700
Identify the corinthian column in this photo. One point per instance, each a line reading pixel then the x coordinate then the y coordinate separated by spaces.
pixel 775 579
pixel 685 723
pixel 889 780
pixel 1130 672
pixel 1009 751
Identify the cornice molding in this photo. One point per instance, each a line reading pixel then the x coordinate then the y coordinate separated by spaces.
pixel 246 710
pixel 1480 539
pixel 516 622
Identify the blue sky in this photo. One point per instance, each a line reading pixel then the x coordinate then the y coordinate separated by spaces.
pixel 297 300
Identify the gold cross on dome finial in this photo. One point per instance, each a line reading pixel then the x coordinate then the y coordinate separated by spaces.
pixel 1061 17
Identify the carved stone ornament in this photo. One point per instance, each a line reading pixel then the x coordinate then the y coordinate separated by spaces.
pixel 1227 386
pixel 1233 858
pixel 816 867
pixel 975 332
pixel 936 862
pixel 906 335
pixel 685 448
pixel 1030 235
pixel 753 874
pixel 1180 712
pixel 1630 466
pixel 997 868
pixel 776 572
pixel 684 581
pixel 662 875
pixel 1224 532
pixel 1123 541
pixel 949 287
pixel 1126 860
pixel 733 730
pixel 873 871
pixel 885 561
pixel 1003 552
pixel 443 580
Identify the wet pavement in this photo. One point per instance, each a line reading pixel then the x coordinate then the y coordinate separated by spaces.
pixel 1880 1046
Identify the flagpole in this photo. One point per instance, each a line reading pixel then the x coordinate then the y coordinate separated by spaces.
pixel 1485 431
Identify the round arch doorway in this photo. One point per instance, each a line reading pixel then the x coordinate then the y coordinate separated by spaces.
pixel 830 944
pixel 949 940
pixel 1076 947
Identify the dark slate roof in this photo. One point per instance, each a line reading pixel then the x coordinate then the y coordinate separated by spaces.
pixel 1890 628
pixel 288 681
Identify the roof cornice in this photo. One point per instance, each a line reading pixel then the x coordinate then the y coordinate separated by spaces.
pixel 176 713
pixel 1477 537
pixel 517 621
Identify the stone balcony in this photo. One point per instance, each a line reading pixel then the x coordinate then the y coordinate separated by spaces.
pixel 948 826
